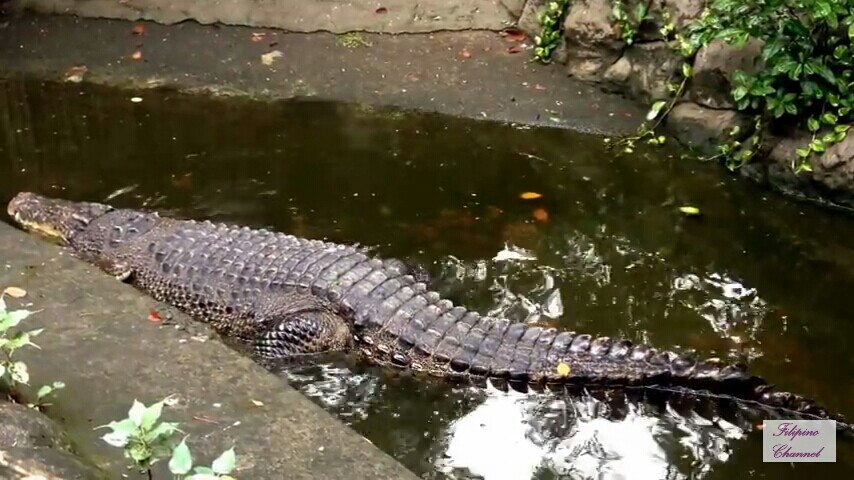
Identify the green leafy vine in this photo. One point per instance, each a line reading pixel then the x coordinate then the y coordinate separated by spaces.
pixel 805 82
pixel 550 20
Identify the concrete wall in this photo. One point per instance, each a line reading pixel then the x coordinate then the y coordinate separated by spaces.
pixel 387 16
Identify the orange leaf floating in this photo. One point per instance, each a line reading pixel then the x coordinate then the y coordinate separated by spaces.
pixel 153 316
pixel 15 292
pixel 541 215
pixel 530 195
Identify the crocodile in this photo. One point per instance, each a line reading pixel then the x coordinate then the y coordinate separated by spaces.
pixel 285 296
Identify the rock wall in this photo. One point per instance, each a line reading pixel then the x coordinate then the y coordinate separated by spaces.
pixel 593 50
pixel 34 447
pixel 337 16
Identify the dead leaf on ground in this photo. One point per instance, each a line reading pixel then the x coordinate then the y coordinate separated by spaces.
pixel 465 53
pixel 136 55
pixel 530 195
pixel 514 49
pixel 75 73
pixel 15 292
pixel 258 36
pixel 541 215
pixel 381 10
pixel 537 86
pixel 138 29
pixel 257 403
pixel 154 316
pixel 269 58
pixel 513 35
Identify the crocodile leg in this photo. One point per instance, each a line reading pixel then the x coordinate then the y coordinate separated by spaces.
pixel 300 324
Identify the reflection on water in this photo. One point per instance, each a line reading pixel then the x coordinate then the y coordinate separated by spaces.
pixel 603 250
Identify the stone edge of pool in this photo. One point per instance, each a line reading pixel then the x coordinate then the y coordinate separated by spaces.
pixel 470 74
pixel 99 341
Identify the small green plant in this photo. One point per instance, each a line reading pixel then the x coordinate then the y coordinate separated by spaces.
pixel 44 392
pixel 181 465
pixel 11 371
pixel 145 440
pixel 353 40
pixel 14 372
pixel 551 19
pixel 629 22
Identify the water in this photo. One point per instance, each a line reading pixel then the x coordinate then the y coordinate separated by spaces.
pixel 604 250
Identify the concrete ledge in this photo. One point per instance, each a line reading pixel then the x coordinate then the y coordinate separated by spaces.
pixel 386 16
pixel 98 340
pixel 467 74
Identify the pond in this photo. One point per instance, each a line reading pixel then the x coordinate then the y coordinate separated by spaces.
pixel 602 248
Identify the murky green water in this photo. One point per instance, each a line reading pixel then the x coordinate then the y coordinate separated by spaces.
pixel 757 277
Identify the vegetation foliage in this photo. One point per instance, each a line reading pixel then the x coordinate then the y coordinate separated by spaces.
pixel 804 81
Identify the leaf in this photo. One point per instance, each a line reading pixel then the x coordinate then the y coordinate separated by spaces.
pixel 2 370
pixel 829 118
pixel 689 210
pixel 540 215
pixel 201 470
pixel 851 31
pixel 137 410
pixel 655 109
pixel 813 125
pixel 257 403
pixel 530 195
pixel 154 316
pixel 270 57
pixel 225 463
pixel 203 476
pixel 182 461
pixel 15 292
pixel 687 70
pixel 125 427
pixel 150 415
pixel 165 429
pixel 116 439
pixel 12 319
pixel 44 391
pixel 18 372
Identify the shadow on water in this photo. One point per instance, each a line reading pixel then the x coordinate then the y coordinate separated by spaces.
pixel 604 250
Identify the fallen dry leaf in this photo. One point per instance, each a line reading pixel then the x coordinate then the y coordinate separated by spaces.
pixel 530 195
pixel 15 292
pixel 465 53
pixel 537 86
pixel 75 73
pixel 257 403
pixel 138 29
pixel 513 35
pixel 541 215
pixel 269 58
pixel 381 10
pixel 514 49
pixel 154 316
pixel 136 55
pixel 258 36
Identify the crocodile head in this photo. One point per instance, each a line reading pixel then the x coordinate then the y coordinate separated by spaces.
pixel 54 218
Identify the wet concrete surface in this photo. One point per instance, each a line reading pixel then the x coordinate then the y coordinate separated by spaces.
pixel 99 341
pixel 470 74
